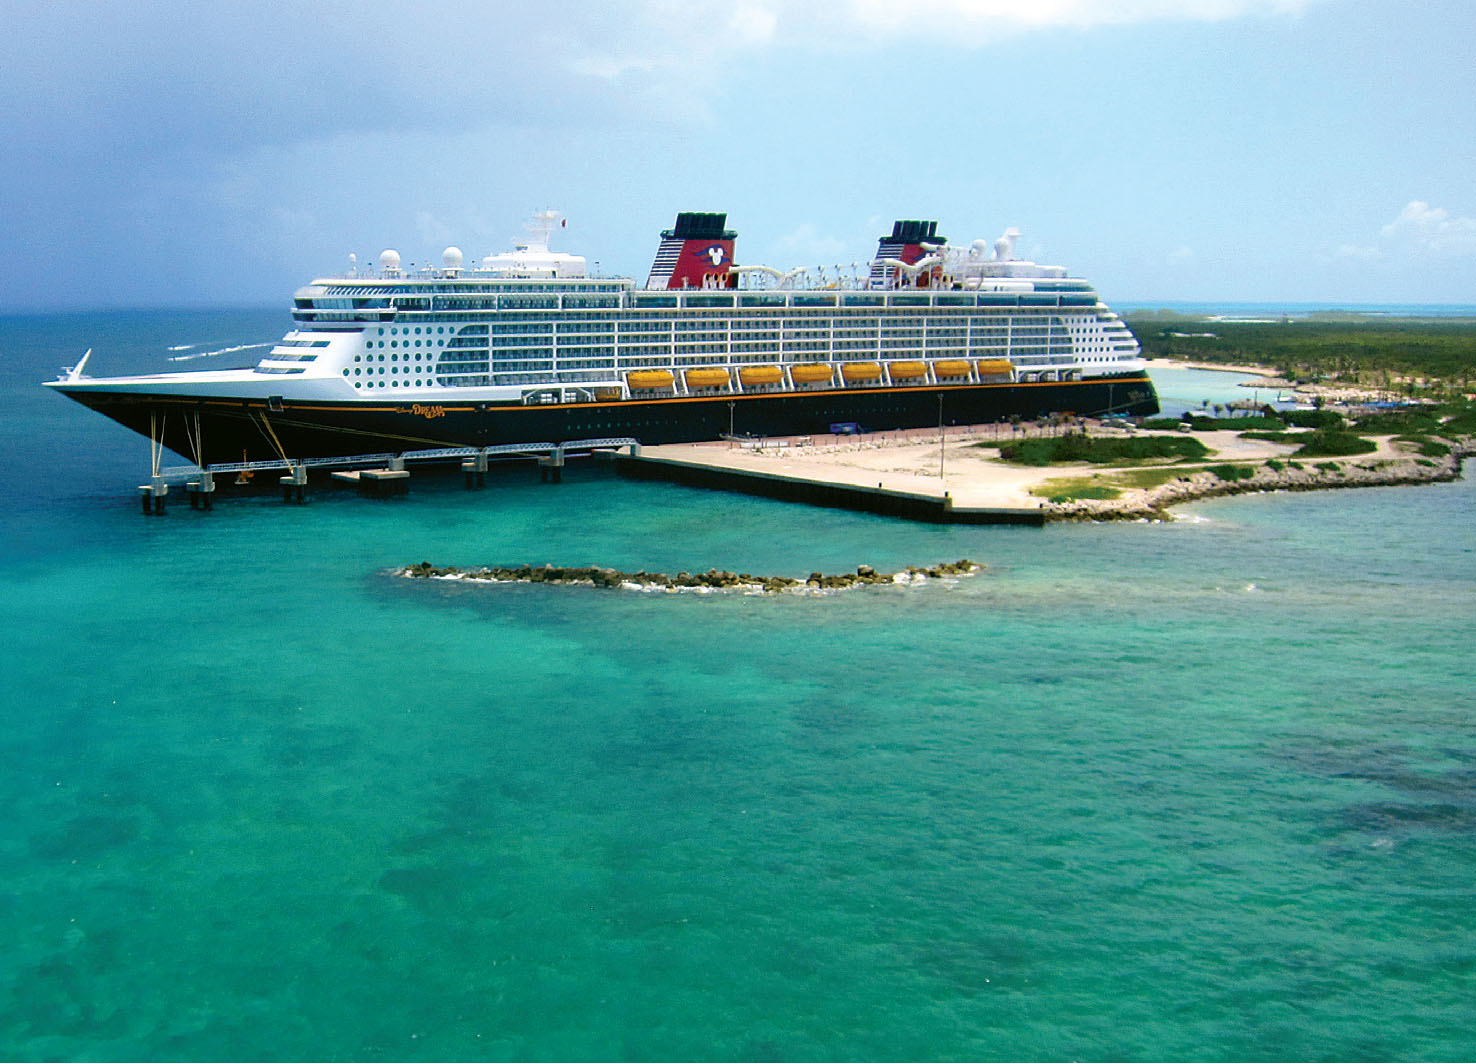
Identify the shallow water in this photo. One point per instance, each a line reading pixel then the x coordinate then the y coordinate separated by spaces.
pixel 1204 789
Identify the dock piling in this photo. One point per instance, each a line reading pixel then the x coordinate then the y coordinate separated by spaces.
pixel 551 467
pixel 202 491
pixel 151 495
pixel 294 485
pixel 475 469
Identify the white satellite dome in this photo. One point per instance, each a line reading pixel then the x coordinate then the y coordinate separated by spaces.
pixel 389 259
pixel 452 258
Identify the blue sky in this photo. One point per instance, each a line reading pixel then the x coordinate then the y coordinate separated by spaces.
pixel 170 153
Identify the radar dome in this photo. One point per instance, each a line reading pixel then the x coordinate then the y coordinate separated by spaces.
pixel 451 258
pixel 389 259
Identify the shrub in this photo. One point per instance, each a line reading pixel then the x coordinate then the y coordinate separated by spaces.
pixel 1329 467
pixel 1275 466
pixel 1091 491
pixel 1392 422
pixel 1458 419
pixel 1041 452
pixel 1434 449
pixel 1330 442
pixel 1232 473
pixel 1313 419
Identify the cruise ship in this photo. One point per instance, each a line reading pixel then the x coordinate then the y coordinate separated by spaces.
pixel 530 346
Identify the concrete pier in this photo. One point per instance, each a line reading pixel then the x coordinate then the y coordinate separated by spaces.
pixel 937 508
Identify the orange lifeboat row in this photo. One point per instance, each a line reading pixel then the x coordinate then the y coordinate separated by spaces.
pixel 821 372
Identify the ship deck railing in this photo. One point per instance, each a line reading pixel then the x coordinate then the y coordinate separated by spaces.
pixel 434 454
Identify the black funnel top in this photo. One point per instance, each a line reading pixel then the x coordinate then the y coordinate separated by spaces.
pixel 700 225
pixel 915 232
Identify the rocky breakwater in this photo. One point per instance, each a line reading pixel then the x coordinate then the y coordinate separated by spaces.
pixel 710 581
pixel 1240 478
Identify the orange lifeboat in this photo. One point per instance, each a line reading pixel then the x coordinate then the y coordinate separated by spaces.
pixel 751 375
pixel 951 367
pixel 811 373
pixel 646 379
pixel 861 371
pixel 995 367
pixel 907 371
pixel 707 378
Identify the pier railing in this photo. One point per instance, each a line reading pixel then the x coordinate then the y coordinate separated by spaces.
pixel 179 474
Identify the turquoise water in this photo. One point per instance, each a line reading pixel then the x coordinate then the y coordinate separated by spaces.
pixel 1194 790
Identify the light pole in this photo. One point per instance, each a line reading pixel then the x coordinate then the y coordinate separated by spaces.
pixel 940 436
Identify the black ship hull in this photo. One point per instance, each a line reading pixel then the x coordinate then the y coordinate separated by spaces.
pixel 234 430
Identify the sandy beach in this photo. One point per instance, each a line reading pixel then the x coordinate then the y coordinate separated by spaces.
pixel 965 465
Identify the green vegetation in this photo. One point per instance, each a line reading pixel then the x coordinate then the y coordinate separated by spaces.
pixel 1272 437
pixel 1393 422
pixel 1313 419
pixel 1329 467
pixel 1077 448
pixel 1327 443
pixel 1405 357
pixel 1231 473
pixel 1458 419
pixel 1086 491
pixel 1206 423
pixel 1275 466
pixel 1103 485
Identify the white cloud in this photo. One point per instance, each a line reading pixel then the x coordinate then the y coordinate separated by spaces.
pixel 1421 229
pixel 970 21
pixel 1359 252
